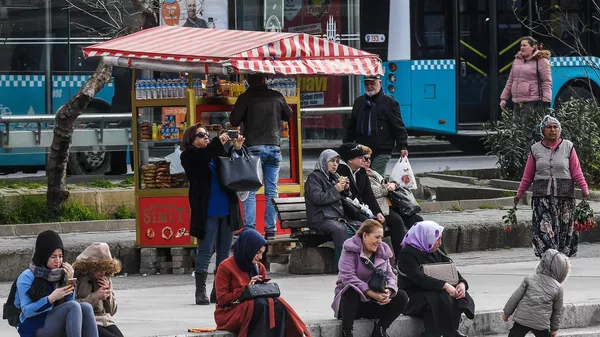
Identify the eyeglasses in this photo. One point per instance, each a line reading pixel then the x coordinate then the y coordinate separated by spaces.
pixel 202 135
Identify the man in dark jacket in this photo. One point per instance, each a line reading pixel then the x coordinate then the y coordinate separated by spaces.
pixel 351 167
pixel 376 122
pixel 261 112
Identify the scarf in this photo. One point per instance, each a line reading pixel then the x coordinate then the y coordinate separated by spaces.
pixel 246 247
pixel 423 236
pixel 50 275
pixel 367 119
pixel 547 120
pixel 322 164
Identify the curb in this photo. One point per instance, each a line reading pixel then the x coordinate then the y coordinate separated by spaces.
pixel 464 205
pixel 67 227
pixel 485 323
pixel 450 177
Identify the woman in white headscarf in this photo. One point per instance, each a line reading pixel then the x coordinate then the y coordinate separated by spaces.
pixel 553 169
pixel 322 194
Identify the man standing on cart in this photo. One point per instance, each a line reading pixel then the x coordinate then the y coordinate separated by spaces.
pixel 261 112
pixel 376 122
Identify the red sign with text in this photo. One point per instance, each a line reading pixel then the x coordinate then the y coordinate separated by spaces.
pixel 164 221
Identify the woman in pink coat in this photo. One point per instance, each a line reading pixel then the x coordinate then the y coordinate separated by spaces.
pixel 530 80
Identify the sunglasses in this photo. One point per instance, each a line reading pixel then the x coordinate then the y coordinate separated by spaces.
pixel 202 135
pixel 367 158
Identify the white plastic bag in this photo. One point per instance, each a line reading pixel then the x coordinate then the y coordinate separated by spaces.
pixel 403 174
pixel 175 160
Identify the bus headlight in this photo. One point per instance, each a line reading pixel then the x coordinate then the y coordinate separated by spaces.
pixel 391 89
pixel 393 67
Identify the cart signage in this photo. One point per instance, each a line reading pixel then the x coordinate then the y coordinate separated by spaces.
pixel 164 221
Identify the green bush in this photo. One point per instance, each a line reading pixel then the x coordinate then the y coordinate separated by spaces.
pixel 511 142
pixel 33 209
pixel 122 212
pixel 75 212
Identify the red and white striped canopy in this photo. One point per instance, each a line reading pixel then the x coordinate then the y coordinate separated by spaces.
pixel 245 51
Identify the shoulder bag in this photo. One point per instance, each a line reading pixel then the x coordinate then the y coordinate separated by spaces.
pixel 444 271
pixel 257 290
pixel 378 281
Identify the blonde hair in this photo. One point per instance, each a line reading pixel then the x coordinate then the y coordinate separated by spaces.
pixel 367 150
pixel 369 227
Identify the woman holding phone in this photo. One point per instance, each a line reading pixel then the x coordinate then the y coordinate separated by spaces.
pixel 46 299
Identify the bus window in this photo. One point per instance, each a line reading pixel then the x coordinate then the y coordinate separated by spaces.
pixel 432 29
pixel 561 26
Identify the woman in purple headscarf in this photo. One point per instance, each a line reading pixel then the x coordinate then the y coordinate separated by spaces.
pixel 440 304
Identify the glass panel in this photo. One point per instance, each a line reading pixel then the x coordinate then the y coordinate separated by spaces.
pixel 510 32
pixel 431 21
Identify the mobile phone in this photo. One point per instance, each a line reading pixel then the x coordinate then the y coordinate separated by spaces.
pixel 72 282
pixel 233 134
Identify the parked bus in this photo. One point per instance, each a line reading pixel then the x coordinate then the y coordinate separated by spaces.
pixel 447 61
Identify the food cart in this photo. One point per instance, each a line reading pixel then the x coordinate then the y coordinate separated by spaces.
pixel 207 67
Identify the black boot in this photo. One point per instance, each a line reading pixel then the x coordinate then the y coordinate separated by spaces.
pixel 201 298
pixel 379 331
pixel 347 333
pixel 213 292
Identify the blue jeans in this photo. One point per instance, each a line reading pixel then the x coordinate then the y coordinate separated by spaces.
pixel 72 318
pixel 270 157
pixel 217 231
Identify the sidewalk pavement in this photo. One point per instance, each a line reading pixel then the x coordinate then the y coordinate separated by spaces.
pixel 163 305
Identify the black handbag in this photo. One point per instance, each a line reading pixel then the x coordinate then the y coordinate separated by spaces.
pixel 352 211
pixel 239 174
pixel 265 290
pixel 378 281
pixel 404 202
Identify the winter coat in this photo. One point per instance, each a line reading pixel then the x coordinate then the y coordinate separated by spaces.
pixel 379 188
pixel 354 272
pixel 538 302
pixel 230 282
pixel 387 128
pixel 196 163
pixel 522 84
pixel 322 200
pixel 360 187
pixel 261 112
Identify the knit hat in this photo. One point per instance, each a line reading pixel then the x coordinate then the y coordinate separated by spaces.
pixel 96 258
pixel 349 151
pixel 547 120
pixel 45 244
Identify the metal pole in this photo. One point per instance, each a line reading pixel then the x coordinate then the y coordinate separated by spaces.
pixel 493 60
pixel 48 59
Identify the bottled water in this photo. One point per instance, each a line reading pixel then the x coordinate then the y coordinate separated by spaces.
pixel 138 90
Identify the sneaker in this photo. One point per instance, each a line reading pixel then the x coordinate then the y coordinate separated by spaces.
pixel 270 236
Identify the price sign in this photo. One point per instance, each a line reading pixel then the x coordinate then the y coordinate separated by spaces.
pixel 375 38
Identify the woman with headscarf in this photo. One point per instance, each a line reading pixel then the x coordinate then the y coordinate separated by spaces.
pixel 93 269
pixel 259 317
pixel 439 303
pixel 323 196
pixel 530 80
pixel 45 299
pixel 553 169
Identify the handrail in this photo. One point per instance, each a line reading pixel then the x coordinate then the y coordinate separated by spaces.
pixel 7 119
pixel 325 111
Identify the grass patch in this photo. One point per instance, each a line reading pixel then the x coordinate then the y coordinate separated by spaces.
pixel 20 184
pixel 122 212
pixel 486 206
pixel 101 183
pixel 456 208
pixel 33 209
pixel 509 193
pixel 75 212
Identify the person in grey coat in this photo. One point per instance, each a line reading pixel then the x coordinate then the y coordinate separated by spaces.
pixel 323 198
pixel 537 305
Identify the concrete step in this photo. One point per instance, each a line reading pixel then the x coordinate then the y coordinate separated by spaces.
pixel 592 331
pixel 578 320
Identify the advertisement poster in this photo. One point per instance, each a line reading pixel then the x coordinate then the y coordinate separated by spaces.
pixel 164 221
pixel 195 13
pixel 310 17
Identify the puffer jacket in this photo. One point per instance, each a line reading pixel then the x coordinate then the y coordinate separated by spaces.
pixel 538 302
pixel 522 84
pixel 322 200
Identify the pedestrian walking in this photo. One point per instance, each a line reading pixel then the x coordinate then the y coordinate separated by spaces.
pixel 366 256
pixel 260 112
pixel 537 305
pixel 46 298
pixel 376 122
pixel 93 270
pixel 215 212
pixel 552 170
pixel 530 81
pixel 254 317
pixel 438 302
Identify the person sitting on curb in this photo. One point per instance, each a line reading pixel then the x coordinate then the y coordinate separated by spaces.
pixel 47 304
pixel 93 269
pixel 362 255
pixel 537 305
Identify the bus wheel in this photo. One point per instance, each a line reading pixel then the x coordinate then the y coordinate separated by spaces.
pixel 468 144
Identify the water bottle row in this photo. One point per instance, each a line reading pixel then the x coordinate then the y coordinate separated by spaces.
pixel 160 88
pixel 285 85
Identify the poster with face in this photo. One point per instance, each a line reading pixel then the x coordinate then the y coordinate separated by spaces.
pixel 195 13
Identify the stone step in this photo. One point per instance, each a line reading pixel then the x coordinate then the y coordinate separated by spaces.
pixel 592 331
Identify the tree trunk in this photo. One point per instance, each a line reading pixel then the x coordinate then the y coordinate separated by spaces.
pixel 56 169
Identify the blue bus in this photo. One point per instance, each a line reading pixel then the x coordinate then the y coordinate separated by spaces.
pixel 41 67
pixel 447 61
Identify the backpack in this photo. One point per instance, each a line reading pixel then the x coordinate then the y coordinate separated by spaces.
pixel 10 312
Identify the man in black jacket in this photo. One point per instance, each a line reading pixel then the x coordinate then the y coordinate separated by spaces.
pixel 351 167
pixel 376 122
pixel 261 112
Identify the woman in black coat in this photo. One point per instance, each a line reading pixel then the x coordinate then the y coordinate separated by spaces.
pixel 214 210
pixel 437 302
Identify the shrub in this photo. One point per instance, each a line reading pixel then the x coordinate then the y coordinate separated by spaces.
pixel 122 212
pixel 75 212
pixel 511 142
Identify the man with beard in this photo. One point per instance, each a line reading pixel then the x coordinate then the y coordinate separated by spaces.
pixel 193 20
pixel 376 122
